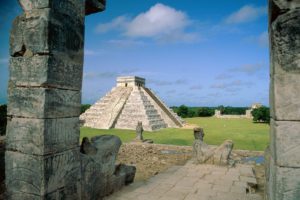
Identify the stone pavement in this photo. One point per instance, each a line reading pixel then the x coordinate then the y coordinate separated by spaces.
pixel 194 182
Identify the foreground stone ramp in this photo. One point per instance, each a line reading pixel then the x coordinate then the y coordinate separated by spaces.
pixel 194 182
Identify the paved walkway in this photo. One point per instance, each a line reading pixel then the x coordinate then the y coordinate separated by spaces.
pixel 194 182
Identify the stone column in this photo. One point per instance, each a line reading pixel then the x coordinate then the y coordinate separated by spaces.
pixel 44 98
pixel 283 174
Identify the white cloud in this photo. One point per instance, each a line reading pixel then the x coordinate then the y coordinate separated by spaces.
pixel 263 39
pixel 118 23
pixel 167 83
pixel 246 14
pixel 160 22
pixel 126 43
pixel 160 19
pixel 97 75
pixel 196 87
pixel 224 76
pixel 249 69
pixel 3 60
pixel 230 85
pixel 89 52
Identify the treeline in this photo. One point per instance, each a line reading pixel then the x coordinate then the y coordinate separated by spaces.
pixel 185 111
pixel 260 115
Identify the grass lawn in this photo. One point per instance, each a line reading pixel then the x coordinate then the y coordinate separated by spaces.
pixel 244 133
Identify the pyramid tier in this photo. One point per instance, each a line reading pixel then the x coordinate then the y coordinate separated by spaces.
pixel 104 112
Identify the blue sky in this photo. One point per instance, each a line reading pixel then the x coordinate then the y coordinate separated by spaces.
pixel 200 53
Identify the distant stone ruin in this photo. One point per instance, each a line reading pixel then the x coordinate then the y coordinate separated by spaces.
pixel 203 153
pixel 127 104
pixel 247 115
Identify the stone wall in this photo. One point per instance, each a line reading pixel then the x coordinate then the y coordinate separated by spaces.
pixel 248 115
pixel 283 169
pixel 42 158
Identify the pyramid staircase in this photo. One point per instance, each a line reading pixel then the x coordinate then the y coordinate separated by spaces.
pixel 139 108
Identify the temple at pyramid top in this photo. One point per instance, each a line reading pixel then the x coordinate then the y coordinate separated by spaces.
pixel 129 102
pixel 130 81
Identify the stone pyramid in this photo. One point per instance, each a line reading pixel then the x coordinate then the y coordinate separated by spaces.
pixel 126 104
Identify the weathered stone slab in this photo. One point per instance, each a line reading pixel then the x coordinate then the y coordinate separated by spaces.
pixel 64 34
pixel 286 148
pixel 42 136
pixel 285 97
pixel 54 71
pixel 43 102
pixel 286 183
pixel 54 175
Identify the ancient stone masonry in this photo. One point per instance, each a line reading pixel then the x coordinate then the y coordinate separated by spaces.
pixel 44 95
pixel 127 104
pixel 283 169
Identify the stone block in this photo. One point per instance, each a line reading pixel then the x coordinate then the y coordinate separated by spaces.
pixel 68 7
pixel 285 184
pixel 45 32
pixel 43 102
pixel 286 140
pixel 285 97
pixel 55 175
pixel 48 70
pixel 42 136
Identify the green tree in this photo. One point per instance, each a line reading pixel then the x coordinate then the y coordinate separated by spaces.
pixel 261 114
pixel 221 108
pixel 191 113
pixel 205 112
pixel 84 107
pixel 183 111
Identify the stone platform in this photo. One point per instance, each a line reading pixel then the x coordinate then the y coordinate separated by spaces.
pixel 195 182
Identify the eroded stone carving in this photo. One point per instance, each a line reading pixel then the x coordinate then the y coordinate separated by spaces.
pixel 202 153
pixel 139 134
pixel 100 176
pixel 139 131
